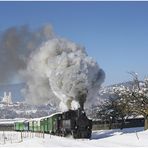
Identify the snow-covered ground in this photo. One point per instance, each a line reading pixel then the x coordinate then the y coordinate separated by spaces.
pixel 132 137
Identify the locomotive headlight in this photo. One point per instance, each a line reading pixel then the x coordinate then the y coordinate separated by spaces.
pixel 76 127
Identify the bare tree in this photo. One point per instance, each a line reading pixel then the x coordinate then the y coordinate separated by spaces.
pixel 114 108
pixel 137 97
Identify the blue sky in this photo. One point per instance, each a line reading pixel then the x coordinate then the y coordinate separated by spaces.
pixel 115 34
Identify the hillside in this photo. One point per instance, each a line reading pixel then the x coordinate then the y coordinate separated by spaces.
pixel 104 92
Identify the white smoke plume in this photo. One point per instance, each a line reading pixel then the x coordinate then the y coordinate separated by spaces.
pixel 62 68
pixel 16 44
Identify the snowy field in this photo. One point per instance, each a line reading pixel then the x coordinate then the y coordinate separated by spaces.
pixel 133 137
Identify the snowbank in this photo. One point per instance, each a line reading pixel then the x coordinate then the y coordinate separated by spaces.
pixel 132 137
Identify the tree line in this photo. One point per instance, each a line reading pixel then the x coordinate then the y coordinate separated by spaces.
pixel 124 101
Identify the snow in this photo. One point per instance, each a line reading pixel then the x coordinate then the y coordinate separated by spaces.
pixel 10 121
pixel 132 137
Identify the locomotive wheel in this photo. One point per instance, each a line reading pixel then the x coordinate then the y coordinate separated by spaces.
pixel 63 134
pixel 74 134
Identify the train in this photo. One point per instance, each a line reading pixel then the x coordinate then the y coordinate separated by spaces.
pixel 71 122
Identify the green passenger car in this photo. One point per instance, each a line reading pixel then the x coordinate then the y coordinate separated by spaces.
pixel 44 125
pixel 16 126
pixel 53 123
pixel 36 125
pixel 42 128
pixel 19 126
pixel 49 124
pixel 31 125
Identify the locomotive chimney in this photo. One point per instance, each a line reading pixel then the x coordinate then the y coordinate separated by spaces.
pixel 81 104
pixel 82 99
pixel 69 103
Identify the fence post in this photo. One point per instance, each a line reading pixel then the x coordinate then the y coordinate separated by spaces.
pixel 4 137
pixel 43 135
pixel 137 135
pixel 11 138
pixel 21 136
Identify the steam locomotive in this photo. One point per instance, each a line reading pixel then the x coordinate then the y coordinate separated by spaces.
pixel 76 123
pixel 72 122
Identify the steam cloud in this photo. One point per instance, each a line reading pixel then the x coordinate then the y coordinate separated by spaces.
pixel 16 44
pixel 54 69
pixel 64 67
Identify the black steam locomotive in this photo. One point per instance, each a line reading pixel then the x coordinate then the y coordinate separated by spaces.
pixel 76 123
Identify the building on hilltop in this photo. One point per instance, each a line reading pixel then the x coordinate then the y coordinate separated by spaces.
pixel 7 99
